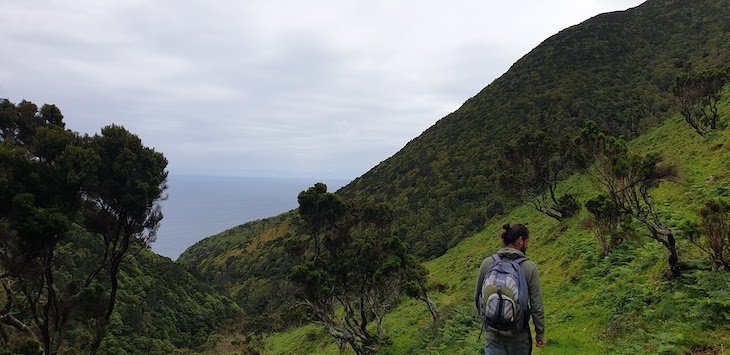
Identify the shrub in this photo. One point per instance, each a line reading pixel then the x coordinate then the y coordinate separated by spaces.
pixel 712 234
pixel 568 205
pixel 610 225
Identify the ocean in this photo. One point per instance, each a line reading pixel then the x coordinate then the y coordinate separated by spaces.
pixel 198 207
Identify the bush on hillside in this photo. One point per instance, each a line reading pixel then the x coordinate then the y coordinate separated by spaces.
pixel 697 95
pixel 712 233
pixel 610 226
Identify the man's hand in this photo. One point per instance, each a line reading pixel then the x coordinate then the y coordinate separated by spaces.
pixel 540 343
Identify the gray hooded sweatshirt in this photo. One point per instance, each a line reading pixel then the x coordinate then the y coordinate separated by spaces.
pixel 533 283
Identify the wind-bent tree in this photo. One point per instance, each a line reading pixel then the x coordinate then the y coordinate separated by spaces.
pixel 350 269
pixel 131 182
pixel 697 96
pixel 626 180
pixel 531 169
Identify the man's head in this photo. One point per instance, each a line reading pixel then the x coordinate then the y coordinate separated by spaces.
pixel 515 236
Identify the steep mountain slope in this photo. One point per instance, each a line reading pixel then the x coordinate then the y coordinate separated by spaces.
pixel 251 263
pixel 161 308
pixel 614 68
pixel 623 303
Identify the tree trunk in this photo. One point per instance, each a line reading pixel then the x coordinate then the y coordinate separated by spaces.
pixel 673 256
pixel 17 324
pixel 101 331
pixel 50 301
pixel 666 237
pixel 543 206
pixel 550 213
pixel 5 316
pixel 435 313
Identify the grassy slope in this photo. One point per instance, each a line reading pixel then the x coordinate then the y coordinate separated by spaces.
pixel 622 303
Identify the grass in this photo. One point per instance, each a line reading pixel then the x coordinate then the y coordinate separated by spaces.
pixel 621 303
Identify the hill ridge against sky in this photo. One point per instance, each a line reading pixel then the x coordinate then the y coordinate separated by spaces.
pixel 614 68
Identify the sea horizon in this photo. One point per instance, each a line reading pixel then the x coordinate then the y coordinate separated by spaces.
pixel 198 207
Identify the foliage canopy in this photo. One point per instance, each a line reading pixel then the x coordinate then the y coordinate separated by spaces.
pixel 351 270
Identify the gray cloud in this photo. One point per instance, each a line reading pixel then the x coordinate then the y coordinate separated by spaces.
pixel 269 88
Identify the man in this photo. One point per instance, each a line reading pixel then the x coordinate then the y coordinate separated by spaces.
pixel 516 238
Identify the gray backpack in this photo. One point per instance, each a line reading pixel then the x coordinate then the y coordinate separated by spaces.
pixel 503 300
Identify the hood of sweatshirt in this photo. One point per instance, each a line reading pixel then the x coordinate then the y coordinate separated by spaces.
pixel 509 253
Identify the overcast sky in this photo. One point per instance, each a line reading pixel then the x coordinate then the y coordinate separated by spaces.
pixel 269 88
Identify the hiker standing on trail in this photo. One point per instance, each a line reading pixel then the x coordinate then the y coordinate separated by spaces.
pixel 507 282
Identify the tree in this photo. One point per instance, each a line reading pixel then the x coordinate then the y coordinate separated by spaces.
pixel 350 269
pixel 531 169
pixel 697 96
pixel 320 209
pixel 126 211
pixel 626 180
pixel 55 188
pixel 712 234
pixel 44 170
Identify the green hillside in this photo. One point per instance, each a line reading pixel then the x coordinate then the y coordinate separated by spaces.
pixel 76 208
pixel 615 68
pixel 161 308
pixel 250 263
pixel 165 309
pixel 621 303
pixel 77 214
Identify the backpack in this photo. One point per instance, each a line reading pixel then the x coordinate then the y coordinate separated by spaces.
pixel 504 296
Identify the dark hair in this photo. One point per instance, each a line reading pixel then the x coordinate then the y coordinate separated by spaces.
pixel 514 232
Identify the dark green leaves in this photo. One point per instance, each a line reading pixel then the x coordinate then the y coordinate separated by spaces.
pixel 712 233
pixel 350 260
pixel 532 167
pixel 56 186
pixel 696 97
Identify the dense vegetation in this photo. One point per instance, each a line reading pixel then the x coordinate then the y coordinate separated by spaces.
pixel 350 269
pixel 621 301
pixel 250 261
pixel 616 69
pixel 164 309
pixel 77 215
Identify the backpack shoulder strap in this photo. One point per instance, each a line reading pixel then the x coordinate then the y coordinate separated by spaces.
pixel 496 258
pixel 523 297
